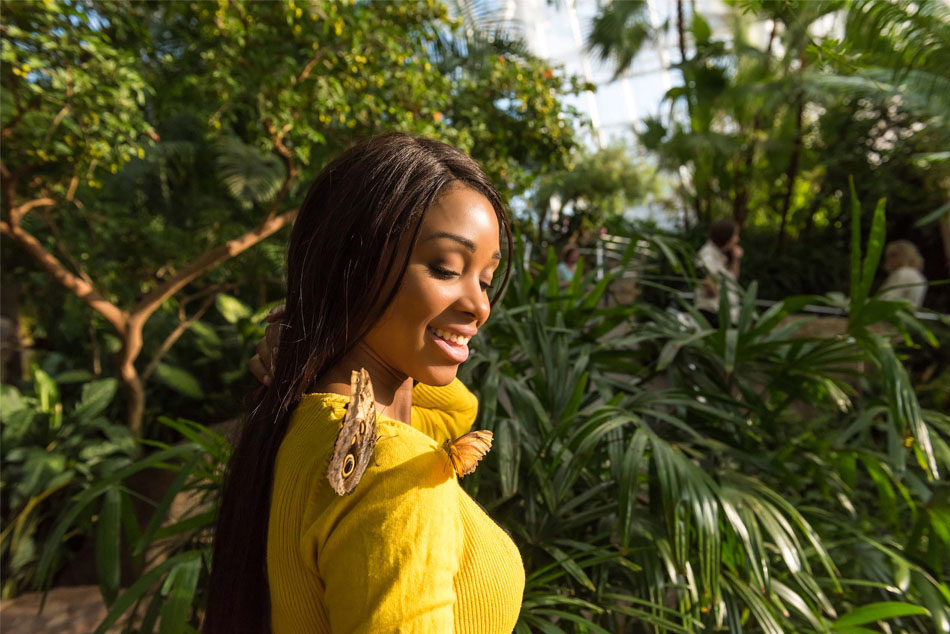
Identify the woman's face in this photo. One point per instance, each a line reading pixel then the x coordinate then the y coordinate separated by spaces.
pixel 443 298
pixel 733 241
pixel 892 259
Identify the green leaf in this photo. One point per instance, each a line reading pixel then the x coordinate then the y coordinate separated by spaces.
pixel 65 522
pixel 158 514
pixel 96 396
pixel 231 308
pixel 108 545
pixel 46 391
pixel 180 590
pixel 179 379
pixel 874 612
pixel 934 215
pixel 142 585
pixel 875 247
pixel 701 29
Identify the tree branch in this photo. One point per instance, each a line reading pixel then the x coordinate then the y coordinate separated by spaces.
pixel 179 330
pixel 73 283
pixel 17 213
pixel 288 162
pixel 148 304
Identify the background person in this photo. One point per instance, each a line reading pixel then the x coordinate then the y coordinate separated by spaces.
pixel 721 259
pixel 568 264
pixel 904 264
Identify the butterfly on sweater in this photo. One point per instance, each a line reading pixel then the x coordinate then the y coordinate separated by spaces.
pixel 356 439
pixel 465 451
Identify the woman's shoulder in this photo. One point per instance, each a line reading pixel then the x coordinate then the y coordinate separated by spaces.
pixel 315 425
pixel 907 275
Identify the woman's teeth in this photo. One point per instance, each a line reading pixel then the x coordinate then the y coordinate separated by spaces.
pixel 448 336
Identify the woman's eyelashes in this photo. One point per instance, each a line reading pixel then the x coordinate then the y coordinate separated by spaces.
pixel 442 273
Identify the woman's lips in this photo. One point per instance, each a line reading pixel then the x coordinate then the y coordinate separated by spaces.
pixel 458 352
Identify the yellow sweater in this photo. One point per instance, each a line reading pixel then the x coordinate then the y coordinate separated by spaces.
pixel 407 551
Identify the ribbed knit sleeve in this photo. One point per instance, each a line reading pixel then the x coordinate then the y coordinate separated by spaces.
pixel 443 413
pixel 388 552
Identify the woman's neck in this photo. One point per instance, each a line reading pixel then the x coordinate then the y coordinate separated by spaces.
pixel 391 388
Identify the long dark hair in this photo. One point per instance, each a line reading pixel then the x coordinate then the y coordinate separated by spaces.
pixel 345 243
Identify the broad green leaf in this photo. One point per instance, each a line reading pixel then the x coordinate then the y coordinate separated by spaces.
pixel 881 611
pixel 179 379
pixel 875 248
pixel 179 591
pixel 96 396
pixel 142 585
pixel 109 545
pixel 231 308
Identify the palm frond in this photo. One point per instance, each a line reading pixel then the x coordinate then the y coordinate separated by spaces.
pixel 250 175
pixel 619 32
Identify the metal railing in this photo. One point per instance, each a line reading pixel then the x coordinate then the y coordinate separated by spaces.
pixel 610 247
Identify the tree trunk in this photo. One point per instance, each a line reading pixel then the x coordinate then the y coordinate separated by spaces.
pixel 792 173
pixel 945 238
pixel 740 205
pixel 129 325
pixel 681 32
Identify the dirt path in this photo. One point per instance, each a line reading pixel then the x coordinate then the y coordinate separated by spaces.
pixel 75 610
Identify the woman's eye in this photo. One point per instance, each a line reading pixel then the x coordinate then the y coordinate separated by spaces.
pixel 442 273
pixel 485 285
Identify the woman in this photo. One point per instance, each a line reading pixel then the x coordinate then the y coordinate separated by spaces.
pixel 721 258
pixel 389 267
pixel 903 263
pixel 568 264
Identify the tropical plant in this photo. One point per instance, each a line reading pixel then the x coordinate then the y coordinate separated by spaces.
pixel 54 447
pixel 171 551
pixel 772 117
pixel 663 477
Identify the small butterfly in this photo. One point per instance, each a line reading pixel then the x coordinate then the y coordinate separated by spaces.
pixel 465 451
pixel 357 437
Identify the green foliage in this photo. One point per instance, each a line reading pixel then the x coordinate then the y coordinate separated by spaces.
pixel 67 117
pixel 53 448
pixel 168 596
pixel 767 130
pixel 749 476
pixel 596 187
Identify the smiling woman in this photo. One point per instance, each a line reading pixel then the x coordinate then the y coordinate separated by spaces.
pixel 390 266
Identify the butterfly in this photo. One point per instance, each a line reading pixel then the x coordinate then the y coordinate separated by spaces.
pixel 357 436
pixel 465 451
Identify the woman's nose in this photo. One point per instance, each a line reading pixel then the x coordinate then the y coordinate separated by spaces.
pixel 474 301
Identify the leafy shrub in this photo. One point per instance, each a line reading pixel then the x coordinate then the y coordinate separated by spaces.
pixel 52 450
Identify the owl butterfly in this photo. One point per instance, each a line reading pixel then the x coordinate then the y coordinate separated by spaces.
pixel 356 440
pixel 465 451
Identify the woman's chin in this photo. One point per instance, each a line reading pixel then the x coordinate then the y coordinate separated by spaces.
pixel 437 376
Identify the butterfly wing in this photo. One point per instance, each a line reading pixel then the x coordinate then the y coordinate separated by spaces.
pixel 356 439
pixel 465 451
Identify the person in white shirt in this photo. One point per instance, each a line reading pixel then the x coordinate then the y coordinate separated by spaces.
pixel 721 258
pixel 904 264
pixel 568 264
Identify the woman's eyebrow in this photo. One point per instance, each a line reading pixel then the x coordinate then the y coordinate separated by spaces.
pixel 465 242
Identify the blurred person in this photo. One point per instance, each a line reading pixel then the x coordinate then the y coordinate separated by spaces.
pixel 389 268
pixel 568 264
pixel 903 263
pixel 721 259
